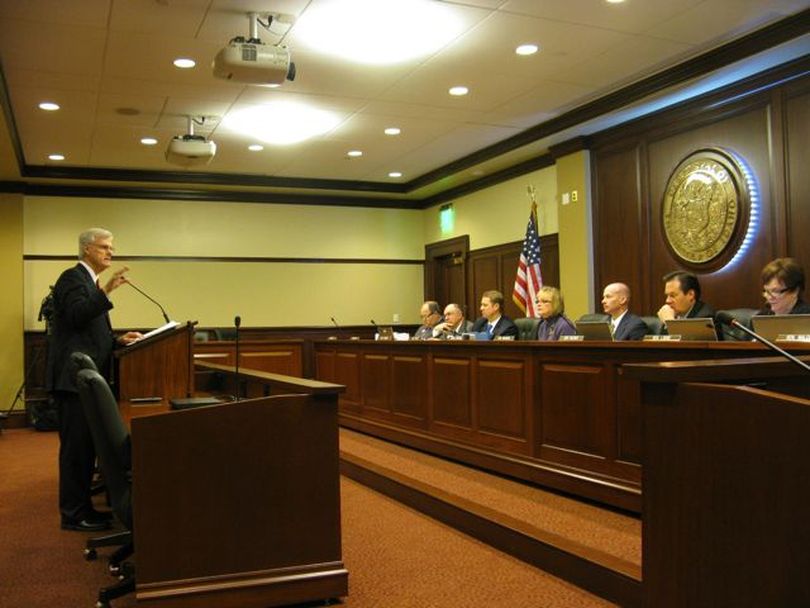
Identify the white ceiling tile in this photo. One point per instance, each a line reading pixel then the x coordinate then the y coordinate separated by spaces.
pixel 633 16
pixel 92 13
pixel 180 18
pixel 51 47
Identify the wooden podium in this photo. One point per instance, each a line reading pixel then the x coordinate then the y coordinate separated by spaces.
pixel 158 368
pixel 726 483
pixel 239 504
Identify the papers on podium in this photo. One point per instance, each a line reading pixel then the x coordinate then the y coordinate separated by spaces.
pixel 158 330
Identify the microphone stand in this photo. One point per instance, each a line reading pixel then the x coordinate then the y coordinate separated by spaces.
pixel 148 297
pixel 768 343
pixel 237 321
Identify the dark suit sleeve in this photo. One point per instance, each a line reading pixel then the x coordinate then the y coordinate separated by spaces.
pixel 636 328
pixel 479 324
pixel 80 301
pixel 507 327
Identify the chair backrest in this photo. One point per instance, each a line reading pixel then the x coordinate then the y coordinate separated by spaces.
pixel 527 328
pixel 655 326
pixel 594 316
pixel 111 439
pixel 77 362
pixel 743 316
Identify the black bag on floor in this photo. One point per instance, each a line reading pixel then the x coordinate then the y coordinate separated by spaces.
pixel 44 415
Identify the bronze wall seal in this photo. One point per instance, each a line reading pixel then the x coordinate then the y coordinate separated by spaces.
pixel 705 206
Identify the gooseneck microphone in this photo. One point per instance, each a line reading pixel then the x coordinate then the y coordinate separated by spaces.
pixel 150 298
pixel 727 319
pixel 237 321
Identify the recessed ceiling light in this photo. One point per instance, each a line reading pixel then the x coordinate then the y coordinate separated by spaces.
pixel 614 1
pixel 184 63
pixel 56 157
pixel 255 147
pixel 281 122
pixel 395 174
pixel 148 141
pixel 49 106
pixel 527 49
pixel 372 32
pixel 458 91
pixel 354 153
pixel 393 131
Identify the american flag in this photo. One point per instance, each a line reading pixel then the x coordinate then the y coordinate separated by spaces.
pixel 528 279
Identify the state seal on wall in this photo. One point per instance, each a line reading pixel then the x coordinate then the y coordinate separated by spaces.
pixel 706 206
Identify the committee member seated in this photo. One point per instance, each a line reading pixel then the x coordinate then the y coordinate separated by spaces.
pixel 682 292
pixel 493 321
pixel 624 325
pixel 454 324
pixel 782 287
pixel 553 322
pixel 431 315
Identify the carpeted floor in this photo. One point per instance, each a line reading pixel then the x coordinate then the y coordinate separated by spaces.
pixel 396 557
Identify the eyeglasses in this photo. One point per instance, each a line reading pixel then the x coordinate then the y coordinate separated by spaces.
pixel 109 248
pixel 542 301
pixel 775 293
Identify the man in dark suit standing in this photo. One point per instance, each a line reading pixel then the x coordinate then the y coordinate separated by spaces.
pixel 624 325
pixel 81 323
pixel 493 322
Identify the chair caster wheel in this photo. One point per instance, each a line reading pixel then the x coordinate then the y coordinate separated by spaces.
pixel 102 604
pixel 114 569
pixel 90 554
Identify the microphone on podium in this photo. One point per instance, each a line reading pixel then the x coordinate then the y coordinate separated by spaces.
pixel 728 319
pixel 237 321
pixel 148 297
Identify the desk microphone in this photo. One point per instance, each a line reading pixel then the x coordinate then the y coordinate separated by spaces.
pixel 727 319
pixel 237 321
pixel 148 297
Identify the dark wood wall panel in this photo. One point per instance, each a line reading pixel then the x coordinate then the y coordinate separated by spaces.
pixel 574 413
pixel 797 140
pixel 409 398
pixel 765 123
pixel 451 391
pixel 747 136
pixel 618 224
pixel 376 382
pixel 501 400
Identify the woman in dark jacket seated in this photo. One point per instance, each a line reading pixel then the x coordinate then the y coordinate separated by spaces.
pixel 782 286
pixel 553 323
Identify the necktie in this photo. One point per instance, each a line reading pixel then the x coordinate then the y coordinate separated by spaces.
pixel 612 327
pixel 490 329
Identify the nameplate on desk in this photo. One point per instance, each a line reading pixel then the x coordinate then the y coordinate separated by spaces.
pixel 574 338
pixel 673 338
pixel 190 402
pixel 145 400
pixel 793 338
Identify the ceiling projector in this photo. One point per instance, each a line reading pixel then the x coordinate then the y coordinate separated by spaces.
pixel 190 150
pixel 253 62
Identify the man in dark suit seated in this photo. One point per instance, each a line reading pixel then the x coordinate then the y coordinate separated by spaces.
pixel 624 325
pixel 493 322
pixel 81 324
pixel 682 291
pixel 431 315
pixel 454 324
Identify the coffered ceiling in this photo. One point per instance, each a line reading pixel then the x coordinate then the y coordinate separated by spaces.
pixel 108 64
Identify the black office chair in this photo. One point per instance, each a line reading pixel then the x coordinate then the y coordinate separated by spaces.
pixel 743 316
pixel 113 450
pixel 527 328
pixel 655 326
pixel 592 317
pixel 77 362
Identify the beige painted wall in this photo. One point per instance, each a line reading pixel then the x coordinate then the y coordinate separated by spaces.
pixel 576 242
pixel 499 214
pixel 11 304
pixel 212 293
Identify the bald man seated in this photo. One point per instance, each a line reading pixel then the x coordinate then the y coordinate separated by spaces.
pixel 624 325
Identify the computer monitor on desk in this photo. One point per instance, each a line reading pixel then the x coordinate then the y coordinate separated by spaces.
pixel 594 330
pixel 771 327
pixel 698 328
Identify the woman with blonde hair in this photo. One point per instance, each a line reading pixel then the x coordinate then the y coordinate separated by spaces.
pixel 553 323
